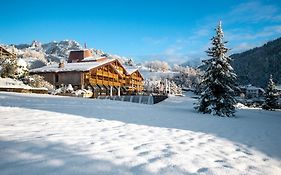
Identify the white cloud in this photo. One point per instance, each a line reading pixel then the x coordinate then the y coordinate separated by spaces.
pixel 242 47
pixel 244 34
pixel 202 32
pixel 154 41
pixel 253 12
pixel 278 18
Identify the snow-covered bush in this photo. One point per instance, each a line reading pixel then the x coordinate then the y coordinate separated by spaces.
pixel 38 82
pixel 69 88
pixel 30 53
pixel 187 77
pixel 174 88
pixel 69 91
pixel 21 68
pixel 8 66
pixel 14 68
pixel 63 89
pixel 161 86
pixel 83 93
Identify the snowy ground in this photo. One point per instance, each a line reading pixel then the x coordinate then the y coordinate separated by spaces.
pixel 42 134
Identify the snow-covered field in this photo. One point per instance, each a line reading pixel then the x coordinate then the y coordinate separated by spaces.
pixel 42 134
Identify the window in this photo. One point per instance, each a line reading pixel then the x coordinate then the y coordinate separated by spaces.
pixel 56 78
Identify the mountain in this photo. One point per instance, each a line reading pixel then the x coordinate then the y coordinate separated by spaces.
pixel 37 54
pixel 59 50
pixel 255 65
pixel 192 62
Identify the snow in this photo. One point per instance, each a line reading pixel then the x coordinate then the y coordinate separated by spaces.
pixel 43 134
pixel 81 66
pixel 13 83
pixel 255 88
pixel 131 70
pixel 21 63
pixel 93 58
pixel 156 75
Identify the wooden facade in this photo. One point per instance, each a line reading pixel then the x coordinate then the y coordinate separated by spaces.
pixel 62 78
pixel 134 81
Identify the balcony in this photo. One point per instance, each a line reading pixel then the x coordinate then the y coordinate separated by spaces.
pixel 106 74
pixel 94 82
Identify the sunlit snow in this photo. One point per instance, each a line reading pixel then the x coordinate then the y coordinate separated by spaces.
pixel 42 134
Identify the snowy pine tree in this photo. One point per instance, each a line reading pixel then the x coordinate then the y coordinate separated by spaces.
pixel 218 81
pixel 271 96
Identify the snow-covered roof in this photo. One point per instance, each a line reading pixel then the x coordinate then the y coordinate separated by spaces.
pixel 130 71
pixel 69 67
pixel 93 58
pixel 255 88
pixel 252 88
pixel 89 59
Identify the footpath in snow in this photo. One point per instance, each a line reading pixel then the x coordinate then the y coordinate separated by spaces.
pixel 42 134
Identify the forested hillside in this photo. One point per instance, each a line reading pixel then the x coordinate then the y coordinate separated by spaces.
pixel 255 66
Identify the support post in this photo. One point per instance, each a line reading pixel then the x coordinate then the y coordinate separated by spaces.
pixel 119 91
pixel 110 91
pixel 169 89
pixel 166 86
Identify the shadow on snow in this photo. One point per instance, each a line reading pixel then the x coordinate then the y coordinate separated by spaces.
pixel 247 128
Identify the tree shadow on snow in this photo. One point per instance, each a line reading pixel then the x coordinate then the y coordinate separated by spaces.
pixel 41 157
pixel 252 128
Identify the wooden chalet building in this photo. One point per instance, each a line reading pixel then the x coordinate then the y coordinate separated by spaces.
pixel 103 75
pixel 5 54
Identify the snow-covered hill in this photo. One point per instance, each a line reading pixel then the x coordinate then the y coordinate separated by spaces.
pixel 38 54
pixel 42 134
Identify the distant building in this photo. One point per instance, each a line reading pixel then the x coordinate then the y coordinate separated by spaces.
pixel 252 91
pixel 103 75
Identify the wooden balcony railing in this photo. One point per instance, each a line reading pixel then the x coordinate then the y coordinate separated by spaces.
pixel 94 82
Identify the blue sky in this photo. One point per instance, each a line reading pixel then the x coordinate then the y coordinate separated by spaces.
pixel 170 30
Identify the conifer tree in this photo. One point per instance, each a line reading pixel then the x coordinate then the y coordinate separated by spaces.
pixel 271 96
pixel 7 67
pixel 219 80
